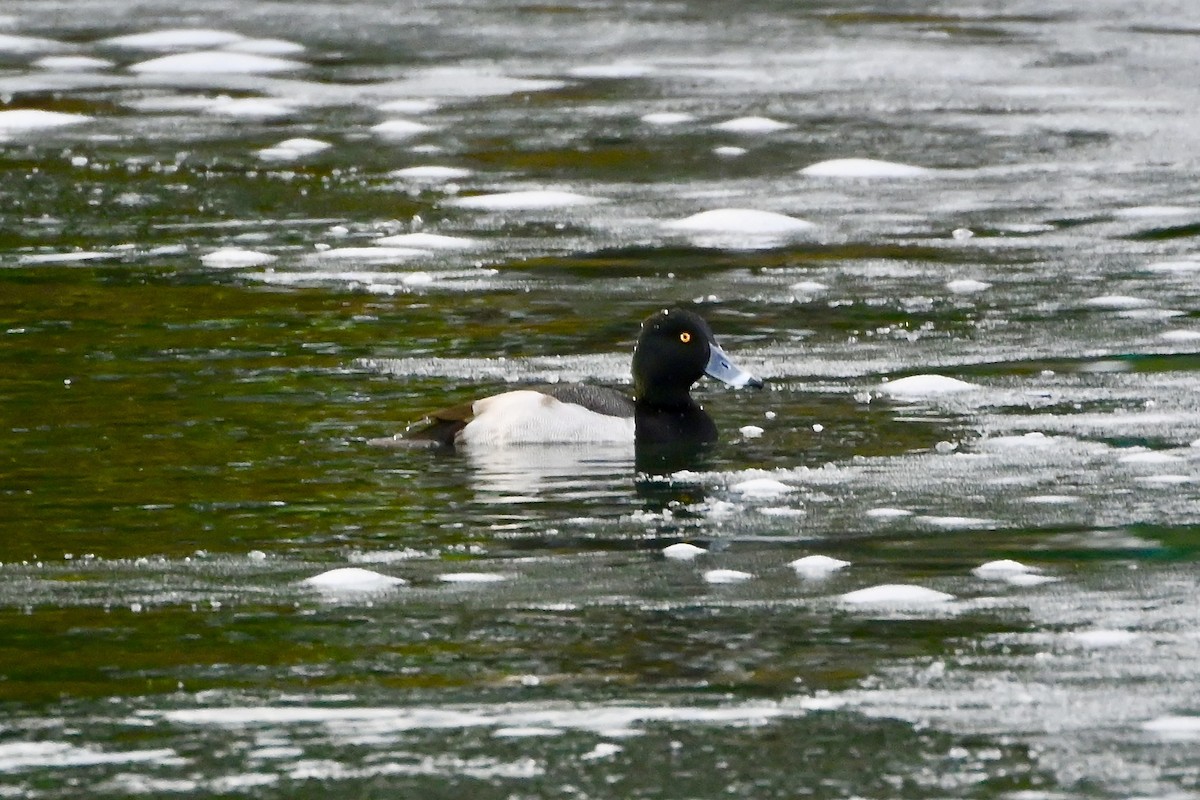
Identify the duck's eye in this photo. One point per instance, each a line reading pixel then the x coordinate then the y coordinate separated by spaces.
pixel 685 337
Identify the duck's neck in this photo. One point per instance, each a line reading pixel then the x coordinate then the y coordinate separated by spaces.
pixel 683 422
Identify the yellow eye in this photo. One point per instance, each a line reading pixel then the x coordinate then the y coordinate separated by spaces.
pixel 685 337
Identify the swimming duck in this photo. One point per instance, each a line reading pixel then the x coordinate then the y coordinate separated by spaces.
pixel 674 350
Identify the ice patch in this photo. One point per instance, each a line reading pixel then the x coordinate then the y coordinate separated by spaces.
pixel 667 118
pixel 526 200
pixel 19 120
pixel 292 149
pixel 601 750
pixel 682 551
pixel 1175 728
pixel 967 286
pixel 1181 266
pixel 751 431
pixel 1001 570
pixel 1103 638
pixel 951 522
pixel 1141 456
pixel 428 241
pixel 815 567
pixel 620 70
pixel 370 255
pixel 888 513
pixel 862 168
pixel 407 106
pixel 234 258
pixel 51 755
pixel 726 576
pixel 895 594
pixel 400 128
pixel 175 39
pixel 741 221
pixel 430 173
pixel 1117 302
pixel 1180 336
pixel 72 63
pixel 13 44
pixel 250 108
pixel 1053 499
pixel 216 62
pixel 266 47
pixel 729 151
pixel 526 731
pixel 751 125
pixel 918 386
pixel 762 487
pixel 352 580
pixel 808 287
pixel 471 577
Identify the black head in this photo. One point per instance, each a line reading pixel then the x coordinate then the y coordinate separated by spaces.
pixel 675 349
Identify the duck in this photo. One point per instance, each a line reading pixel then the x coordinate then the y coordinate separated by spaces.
pixel 675 349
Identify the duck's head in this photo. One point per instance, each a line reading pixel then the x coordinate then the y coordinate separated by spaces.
pixel 674 350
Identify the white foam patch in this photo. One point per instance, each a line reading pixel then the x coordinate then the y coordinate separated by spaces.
pixel 219 62
pixel 601 750
pixel 526 200
pixel 266 47
pixel 967 286
pixel 862 168
pixel 897 595
pixel 726 576
pixel 762 487
pixel 371 255
pixel 919 386
pixel 234 258
pixel 292 149
pixel 815 567
pixel 17 45
pixel 665 118
pixel 741 221
pixel 682 551
pixel 751 125
pixel 808 287
pixel 1164 480
pixel 1034 440
pixel 73 63
pixel 430 173
pixel 471 577
pixel 782 511
pixel 1152 212
pixel 400 128
pixel 1103 638
pixel 751 431
pixel 351 580
pixel 175 39
pixel 1117 302
pixel 34 755
pixel 19 120
pixel 729 151
pixel 428 241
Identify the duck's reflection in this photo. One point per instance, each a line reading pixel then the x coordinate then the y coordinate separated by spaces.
pixel 531 473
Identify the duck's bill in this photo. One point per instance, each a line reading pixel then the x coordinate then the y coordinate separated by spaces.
pixel 721 367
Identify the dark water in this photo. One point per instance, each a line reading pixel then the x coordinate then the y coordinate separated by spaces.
pixel 184 430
